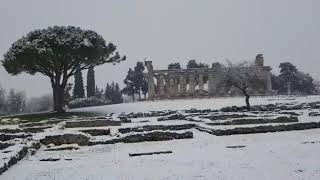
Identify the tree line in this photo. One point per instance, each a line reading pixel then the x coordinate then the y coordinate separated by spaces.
pixel 191 64
pixel 12 102
pixel 16 102
pixel 111 94
pixel 291 81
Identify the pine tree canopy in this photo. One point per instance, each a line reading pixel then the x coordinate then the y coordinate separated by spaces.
pixel 56 52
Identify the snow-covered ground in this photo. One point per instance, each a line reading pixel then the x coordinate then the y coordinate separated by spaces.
pixel 282 155
pixel 182 104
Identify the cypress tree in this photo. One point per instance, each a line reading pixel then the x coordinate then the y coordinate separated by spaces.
pixel 91 85
pixel 107 92
pixel 138 77
pixel 113 93
pixel 98 93
pixel 118 94
pixel 78 90
pixel 129 81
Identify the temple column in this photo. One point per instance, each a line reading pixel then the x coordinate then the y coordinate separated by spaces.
pixel 191 84
pixel 182 85
pixel 157 88
pixel 269 82
pixel 176 87
pixel 201 86
pixel 151 91
pixel 171 86
pixel 167 85
pixel 161 85
pixel 210 84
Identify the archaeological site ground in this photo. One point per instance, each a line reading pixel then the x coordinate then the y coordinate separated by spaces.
pixel 170 139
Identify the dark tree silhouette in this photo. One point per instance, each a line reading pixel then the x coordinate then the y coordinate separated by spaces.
pixel 174 66
pixel 135 81
pixel 98 93
pixel 113 93
pixel 129 81
pixel 193 64
pixel 91 83
pixel 138 79
pixel 78 89
pixel 291 79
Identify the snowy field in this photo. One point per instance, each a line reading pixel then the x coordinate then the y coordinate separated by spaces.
pixel 182 104
pixel 290 155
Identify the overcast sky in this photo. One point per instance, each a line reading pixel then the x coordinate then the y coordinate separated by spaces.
pixel 172 30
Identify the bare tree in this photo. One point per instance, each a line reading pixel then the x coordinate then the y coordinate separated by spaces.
pixel 242 76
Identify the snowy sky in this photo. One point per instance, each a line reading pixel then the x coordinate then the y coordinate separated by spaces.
pixel 172 30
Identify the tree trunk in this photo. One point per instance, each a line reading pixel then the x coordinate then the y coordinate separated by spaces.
pixel 248 103
pixel 247 99
pixel 139 94
pixel 54 98
pixel 58 98
pixel 133 97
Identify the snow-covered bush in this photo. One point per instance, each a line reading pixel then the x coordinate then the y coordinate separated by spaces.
pixel 87 102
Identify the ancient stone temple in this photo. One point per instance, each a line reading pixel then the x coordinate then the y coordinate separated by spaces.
pixel 201 82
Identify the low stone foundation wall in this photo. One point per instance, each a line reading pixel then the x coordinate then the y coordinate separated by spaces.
pixel 262 129
pixel 35 129
pixel 6 137
pixel 5 145
pixel 20 155
pixel 225 116
pixel 32 124
pixel 152 136
pixel 57 140
pixel 11 131
pixel 314 114
pixel 92 123
pixel 149 114
pixel 172 117
pixel 281 119
pixel 96 132
pixel 42 123
pixel 157 127
pixel 273 107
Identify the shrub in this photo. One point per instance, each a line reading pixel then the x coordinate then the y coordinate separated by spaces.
pixel 87 102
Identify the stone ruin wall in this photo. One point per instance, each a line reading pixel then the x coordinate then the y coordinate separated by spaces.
pixel 201 82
